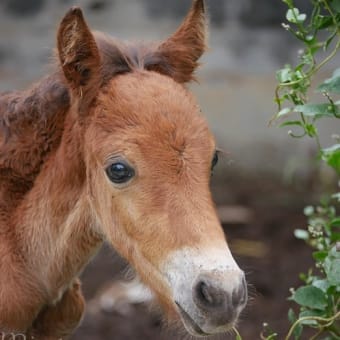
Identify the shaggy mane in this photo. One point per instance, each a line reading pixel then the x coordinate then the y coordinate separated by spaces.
pixel 50 94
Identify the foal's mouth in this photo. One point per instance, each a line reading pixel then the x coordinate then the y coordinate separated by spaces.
pixel 189 323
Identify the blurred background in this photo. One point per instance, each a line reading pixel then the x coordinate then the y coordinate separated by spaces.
pixel 261 185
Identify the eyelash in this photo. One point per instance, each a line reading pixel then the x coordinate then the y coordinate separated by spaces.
pixel 214 161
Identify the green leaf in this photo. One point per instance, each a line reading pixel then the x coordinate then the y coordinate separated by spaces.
pixel 311 130
pixel 290 15
pixel 311 297
pixel 311 313
pixel 332 267
pixel 328 42
pixel 331 85
pixel 335 237
pixel 322 22
pixel 291 123
pixel 334 253
pixel 335 222
pixel 331 149
pixel 293 15
pixel 318 110
pixel 284 112
pixel 284 75
pixel 291 315
pixel 335 4
pixel 331 156
pixel 302 17
pixel 320 255
pixel 292 318
pixel 321 284
pixel 301 234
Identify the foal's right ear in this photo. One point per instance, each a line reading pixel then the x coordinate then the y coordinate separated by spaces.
pixel 178 56
pixel 78 53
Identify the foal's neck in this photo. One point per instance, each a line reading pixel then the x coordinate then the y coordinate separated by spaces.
pixel 54 223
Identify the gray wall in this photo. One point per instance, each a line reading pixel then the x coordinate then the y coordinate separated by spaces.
pixel 237 79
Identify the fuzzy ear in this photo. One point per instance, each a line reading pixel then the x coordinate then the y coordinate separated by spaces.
pixel 78 54
pixel 178 56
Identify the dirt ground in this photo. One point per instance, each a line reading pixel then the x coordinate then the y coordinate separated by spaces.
pixel 262 213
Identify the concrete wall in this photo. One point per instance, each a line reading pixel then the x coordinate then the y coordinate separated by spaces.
pixel 237 79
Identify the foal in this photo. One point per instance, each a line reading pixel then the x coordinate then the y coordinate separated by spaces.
pixel 112 146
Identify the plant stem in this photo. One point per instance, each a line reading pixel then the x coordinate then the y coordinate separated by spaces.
pixel 331 13
pixel 327 321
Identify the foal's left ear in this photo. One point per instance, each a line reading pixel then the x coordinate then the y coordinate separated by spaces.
pixel 78 54
pixel 178 56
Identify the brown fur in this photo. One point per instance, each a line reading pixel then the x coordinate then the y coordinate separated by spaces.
pixel 56 203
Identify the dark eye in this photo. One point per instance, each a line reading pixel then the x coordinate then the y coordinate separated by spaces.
pixel 214 161
pixel 119 172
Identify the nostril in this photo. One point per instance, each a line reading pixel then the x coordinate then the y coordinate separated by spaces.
pixel 240 295
pixel 207 295
pixel 203 292
pixel 219 297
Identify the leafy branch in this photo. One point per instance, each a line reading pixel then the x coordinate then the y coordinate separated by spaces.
pixel 317 300
pixel 319 32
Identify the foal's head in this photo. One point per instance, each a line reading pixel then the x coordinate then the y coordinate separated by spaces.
pixel 149 155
